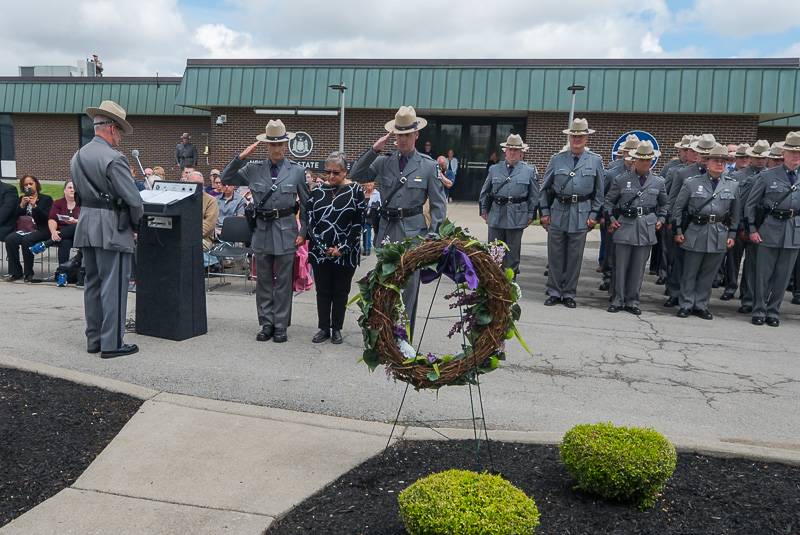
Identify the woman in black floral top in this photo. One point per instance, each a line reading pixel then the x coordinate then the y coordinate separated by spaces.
pixel 335 212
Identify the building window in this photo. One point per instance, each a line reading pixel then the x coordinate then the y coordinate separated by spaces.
pixel 6 137
pixel 86 129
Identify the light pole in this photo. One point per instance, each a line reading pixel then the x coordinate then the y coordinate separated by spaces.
pixel 574 88
pixel 341 88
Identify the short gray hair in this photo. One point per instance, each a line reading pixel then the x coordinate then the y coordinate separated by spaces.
pixel 337 158
pixel 194 175
pixel 101 121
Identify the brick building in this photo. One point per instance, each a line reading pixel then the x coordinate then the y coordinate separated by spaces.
pixel 471 106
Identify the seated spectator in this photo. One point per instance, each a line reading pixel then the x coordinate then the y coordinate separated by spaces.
pixel 247 195
pixel 335 213
pixel 63 220
pixel 215 184
pixel 8 209
pixel 230 203
pixel 159 173
pixel 32 213
pixel 210 214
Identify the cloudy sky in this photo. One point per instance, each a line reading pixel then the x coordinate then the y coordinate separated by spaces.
pixel 140 38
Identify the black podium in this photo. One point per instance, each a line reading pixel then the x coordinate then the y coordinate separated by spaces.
pixel 170 285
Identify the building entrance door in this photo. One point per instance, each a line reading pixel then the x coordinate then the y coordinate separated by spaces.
pixel 473 139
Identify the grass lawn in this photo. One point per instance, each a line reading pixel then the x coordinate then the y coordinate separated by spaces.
pixel 55 190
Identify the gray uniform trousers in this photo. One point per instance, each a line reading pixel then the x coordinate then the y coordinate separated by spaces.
pixel 667 252
pixel 733 261
pixel 608 259
pixel 629 265
pixel 747 286
pixel 274 289
pixel 796 289
pixel 774 266
pixel 513 238
pixel 699 270
pixel 105 296
pixel 565 258
pixel 676 272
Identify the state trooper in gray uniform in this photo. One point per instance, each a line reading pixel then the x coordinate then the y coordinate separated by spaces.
pixel 509 198
pixel 110 209
pixel 637 204
pixel 279 190
pixel 776 194
pixel 696 155
pixel 667 238
pixel 619 166
pixel 405 179
pixel 709 205
pixel 733 258
pixel 746 178
pixel 570 200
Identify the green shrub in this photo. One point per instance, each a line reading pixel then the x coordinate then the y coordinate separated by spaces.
pixel 463 502
pixel 626 464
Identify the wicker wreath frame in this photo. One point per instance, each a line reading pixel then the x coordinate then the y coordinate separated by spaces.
pixel 487 338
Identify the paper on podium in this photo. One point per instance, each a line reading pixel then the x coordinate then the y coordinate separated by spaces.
pixel 163 197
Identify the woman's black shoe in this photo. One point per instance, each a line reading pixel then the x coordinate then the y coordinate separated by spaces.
pixel 321 336
pixel 336 337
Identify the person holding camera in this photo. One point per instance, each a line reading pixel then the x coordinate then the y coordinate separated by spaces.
pixel 110 211
pixel 31 227
pixel 279 191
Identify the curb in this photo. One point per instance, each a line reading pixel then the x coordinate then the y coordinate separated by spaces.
pixel 703 446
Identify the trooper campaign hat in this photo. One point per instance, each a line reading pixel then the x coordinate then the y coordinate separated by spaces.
pixel 275 132
pixel 405 121
pixel 112 110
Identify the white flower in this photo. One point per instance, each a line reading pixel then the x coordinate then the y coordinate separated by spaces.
pixel 406 349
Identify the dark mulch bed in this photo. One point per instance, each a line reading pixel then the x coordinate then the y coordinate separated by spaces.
pixel 50 431
pixel 706 495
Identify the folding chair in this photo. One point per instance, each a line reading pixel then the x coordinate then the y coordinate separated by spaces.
pixel 235 230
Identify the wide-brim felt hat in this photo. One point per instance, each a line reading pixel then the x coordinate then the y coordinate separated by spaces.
pixel 631 142
pixel 405 121
pixel 685 142
pixel 112 110
pixel 514 141
pixel 579 127
pixel 718 152
pixel 644 151
pixel 776 151
pixel 275 132
pixel 792 142
pixel 704 144
pixel 741 151
pixel 759 150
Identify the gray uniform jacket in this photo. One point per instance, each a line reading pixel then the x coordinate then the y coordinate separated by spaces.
pixel 523 182
pixel 712 237
pixel 745 177
pixel 422 183
pixel 616 168
pixel 185 155
pixel 111 172
pixel 9 202
pixel 677 177
pixel 668 167
pixel 276 236
pixel 625 192
pixel 565 178
pixel 769 187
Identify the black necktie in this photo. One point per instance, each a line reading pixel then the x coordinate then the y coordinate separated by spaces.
pixel 510 169
pixel 403 162
pixel 792 177
pixel 714 183
pixel 642 180
pixel 273 170
pixel 575 159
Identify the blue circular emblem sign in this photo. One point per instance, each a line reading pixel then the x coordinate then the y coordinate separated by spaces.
pixel 302 145
pixel 642 135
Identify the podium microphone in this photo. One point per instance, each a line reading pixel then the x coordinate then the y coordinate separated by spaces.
pixel 135 154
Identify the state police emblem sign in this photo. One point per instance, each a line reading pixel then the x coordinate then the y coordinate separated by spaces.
pixel 302 145
pixel 643 136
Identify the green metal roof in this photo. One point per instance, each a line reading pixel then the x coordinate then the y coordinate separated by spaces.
pixel 786 122
pixel 759 86
pixel 139 96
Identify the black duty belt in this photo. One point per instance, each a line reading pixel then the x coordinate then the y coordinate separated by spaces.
pixel 569 199
pixel 706 219
pixel 276 213
pixel 97 203
pixel 637 211
pixel 783 215
pixel 502 201
pixel 400 213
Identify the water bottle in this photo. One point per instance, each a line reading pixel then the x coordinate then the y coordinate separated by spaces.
pixel 37 248
pixel 61 279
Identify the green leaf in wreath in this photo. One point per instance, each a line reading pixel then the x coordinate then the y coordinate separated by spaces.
pixel 370 358
pixel 521 340
pixel 387 268
pixel 516 311
pixel 355 299
pixel 432 376
pixel 447 228
pixel 482 317
pixel 436 369
pixel 509 274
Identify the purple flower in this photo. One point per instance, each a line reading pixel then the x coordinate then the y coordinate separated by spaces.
pixel 432 358
pixel 400 332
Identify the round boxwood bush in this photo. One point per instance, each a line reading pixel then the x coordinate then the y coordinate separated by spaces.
pixel 628 464
pixel 464 502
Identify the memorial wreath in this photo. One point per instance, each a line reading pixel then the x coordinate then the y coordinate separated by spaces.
pixel 486 297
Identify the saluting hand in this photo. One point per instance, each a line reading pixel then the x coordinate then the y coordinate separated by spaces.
pixel 379 145
pixel 248 151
